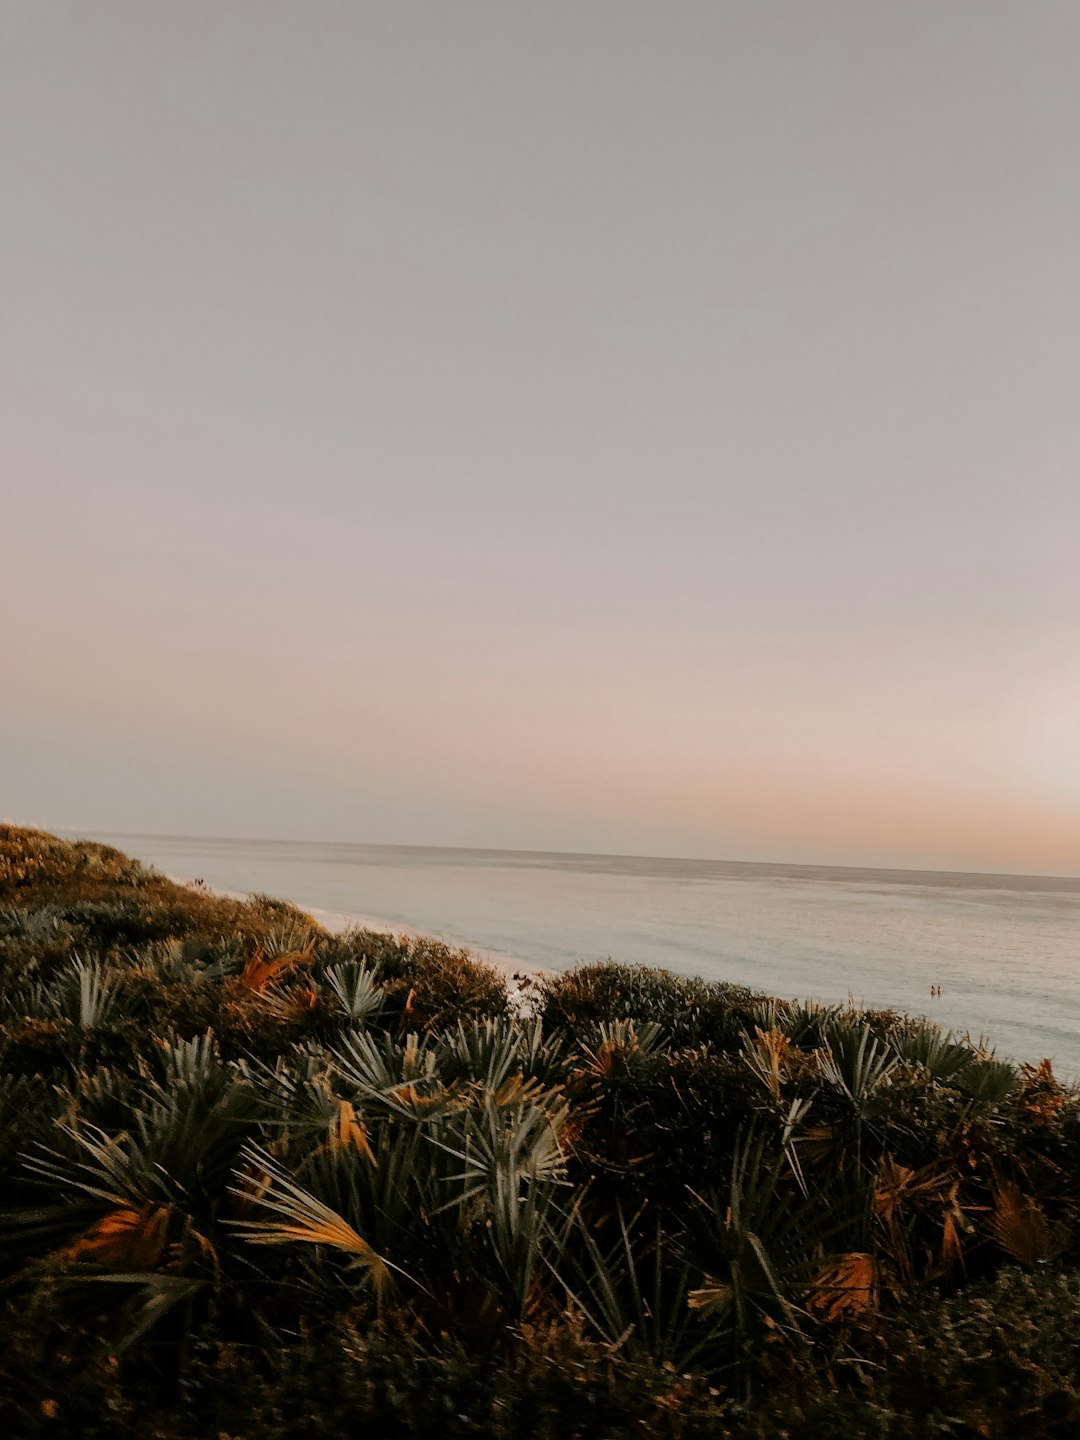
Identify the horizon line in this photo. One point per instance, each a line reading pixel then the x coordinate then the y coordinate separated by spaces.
pixel 582 854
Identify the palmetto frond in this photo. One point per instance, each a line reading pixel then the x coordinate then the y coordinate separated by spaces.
pixel 401 1076
pixel 175 961
pixel 1018 1224
pixel 843 1286
pixel 809 1025
pixel 125 1239
pixel 908 1202
pixel 84 994
pixel 262 972
pixel 193 1064
pixel 618 1046
pixel 36 925
pixel 760 1245
pixel 297 1216
pixel 519 1234
pixel 773 1013
pixel 104 1096
pixel 380 1066
pixel 296 1098
pixel 765 1055
pixel 988 1081
pixel 495 1049
pixel 858 1066
pixel 356 987
pixel 294 942
pixel 938 1054
pixel 176 1152
pixel 511 1136
pixel 634 1289
pixel 102 1168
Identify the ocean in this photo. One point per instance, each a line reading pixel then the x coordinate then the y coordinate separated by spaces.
pixel 1005 949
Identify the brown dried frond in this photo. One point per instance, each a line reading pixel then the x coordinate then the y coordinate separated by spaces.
pixel 1018 1224
pixel 1041 1096
pixel 713 1295
pixel 349 1131
pixel 124 1239
pixel 261 971
pixel 817 1144
pixel 892 1184
pixel 331 1231
pixel 952 1250
pixel 248 1192
pixel 315 1224
pixel 304 997
pixel 897 1185
pixel 766 1057
pixel 846 1285
pixel 900 1193
pixel 444 1100
pixel 607 1058
pixel 516 1090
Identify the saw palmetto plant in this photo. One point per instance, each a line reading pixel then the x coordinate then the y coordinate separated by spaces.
pixel 224 1133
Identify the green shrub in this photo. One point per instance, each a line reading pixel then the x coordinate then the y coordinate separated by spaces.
pixel 252 1173
pixel 691 1011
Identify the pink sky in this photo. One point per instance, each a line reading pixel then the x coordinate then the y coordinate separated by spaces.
pixel 545 427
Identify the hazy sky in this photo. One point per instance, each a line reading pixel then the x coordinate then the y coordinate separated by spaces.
pixel 596 426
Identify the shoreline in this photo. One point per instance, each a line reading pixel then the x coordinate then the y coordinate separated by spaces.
pixel 881 949
pixel 340 922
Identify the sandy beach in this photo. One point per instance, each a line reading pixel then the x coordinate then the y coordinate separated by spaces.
pixel 340 922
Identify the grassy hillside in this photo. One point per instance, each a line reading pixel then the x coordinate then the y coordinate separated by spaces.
pixel 259 1180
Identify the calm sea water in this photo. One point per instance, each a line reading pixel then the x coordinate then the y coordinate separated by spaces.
pixel 1005 949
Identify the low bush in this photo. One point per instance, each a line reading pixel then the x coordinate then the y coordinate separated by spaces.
pixel 692 1011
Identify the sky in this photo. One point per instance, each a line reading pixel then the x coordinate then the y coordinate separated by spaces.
pixel 597 426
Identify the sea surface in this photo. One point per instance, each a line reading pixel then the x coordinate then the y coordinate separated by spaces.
pixel 1005 949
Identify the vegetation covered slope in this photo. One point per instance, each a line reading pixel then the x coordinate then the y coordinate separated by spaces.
pixel 259 1180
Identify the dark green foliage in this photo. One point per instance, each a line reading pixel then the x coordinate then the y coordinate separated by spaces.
pixel 255 1177
pixel 428 985
pixel 692 1011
